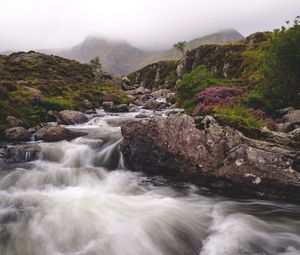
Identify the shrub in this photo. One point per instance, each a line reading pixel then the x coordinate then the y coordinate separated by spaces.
pixel 213 97
pixel 193 83
pixel 280 68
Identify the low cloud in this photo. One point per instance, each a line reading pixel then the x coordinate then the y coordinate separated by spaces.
pixel 36 24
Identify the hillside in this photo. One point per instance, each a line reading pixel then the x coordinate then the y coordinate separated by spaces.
pixel 32 83
pixel 119 57
pixel 173 54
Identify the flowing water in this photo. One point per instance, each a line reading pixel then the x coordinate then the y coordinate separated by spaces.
pixel 79 199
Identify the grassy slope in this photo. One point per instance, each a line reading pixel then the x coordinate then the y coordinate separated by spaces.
pixel 33 83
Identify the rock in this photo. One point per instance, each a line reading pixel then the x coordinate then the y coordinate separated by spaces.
pixel 53 116
pixel 154 105
pixel 140 91
pixel 160 93
pixel 111 107
pixel 292 117
pixel 133 108
pixel 215 156
pixel 285 110
pixel 87 104
pixel 17 134
pixel 108 106
pixel 15 122
pixel 22 153
pixel 73 117
pixel 55 133
pixel 296 134
pixel 90 112
pixel 141 116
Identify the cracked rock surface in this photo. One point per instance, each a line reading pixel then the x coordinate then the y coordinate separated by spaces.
pixel 214 156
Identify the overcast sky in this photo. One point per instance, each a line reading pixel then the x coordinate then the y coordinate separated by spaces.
pixel 36 24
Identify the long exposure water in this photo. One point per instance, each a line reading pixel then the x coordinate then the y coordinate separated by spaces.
pixel 79 199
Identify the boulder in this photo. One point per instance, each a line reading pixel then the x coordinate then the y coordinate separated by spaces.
pixel 215 156
pixel 15 122
pixel 53 116
pixel 296 134
pixel 111 107
pixel 22 153
pixel 73 117
pixel 55 133
pixel 17 134
pixel 152 104
pixel 292 117
pixel 160 93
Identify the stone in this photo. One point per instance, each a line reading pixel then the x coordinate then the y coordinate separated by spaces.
pixel 55 133
pixel 73 117
pixel 17 134
pixel 53 116
pixel 215 156
pixel 292 117
pixel 111 107
pixel 22 153
pixel 154 105
pixel 15 122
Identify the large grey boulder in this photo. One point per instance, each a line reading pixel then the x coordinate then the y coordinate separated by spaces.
pixel 215 156
pixel 55 133
pixel 73 117
pixel 17 134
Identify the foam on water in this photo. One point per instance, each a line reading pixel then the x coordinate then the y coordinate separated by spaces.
pixel 78 198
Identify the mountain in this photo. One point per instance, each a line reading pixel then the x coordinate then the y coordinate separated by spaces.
pixel 116 56
pixel 119 57
pixel 222 37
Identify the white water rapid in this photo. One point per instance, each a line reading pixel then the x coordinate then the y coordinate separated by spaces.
pixel 78 199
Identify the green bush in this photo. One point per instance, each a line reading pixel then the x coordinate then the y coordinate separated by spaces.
pixel 281 68
pixel 193 83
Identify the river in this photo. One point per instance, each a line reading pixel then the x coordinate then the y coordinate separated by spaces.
pixel 79 199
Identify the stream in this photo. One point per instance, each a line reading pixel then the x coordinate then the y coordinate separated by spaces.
pixel 79 199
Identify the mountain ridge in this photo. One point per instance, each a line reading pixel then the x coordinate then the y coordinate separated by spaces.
pixel 120 57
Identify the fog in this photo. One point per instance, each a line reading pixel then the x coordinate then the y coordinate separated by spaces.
pixel 148 24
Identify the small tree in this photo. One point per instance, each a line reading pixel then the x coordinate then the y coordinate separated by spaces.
pixel 180 46
pixel 96 65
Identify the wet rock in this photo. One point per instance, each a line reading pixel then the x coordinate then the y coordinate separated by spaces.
pixel 90 112
pixel 111 107
pixel 55 133
pixel 141 116
pixel 215 156
pixel 15 122
pixel 22 153
pixel 17 134
pixel 73 117
pixel 108 106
